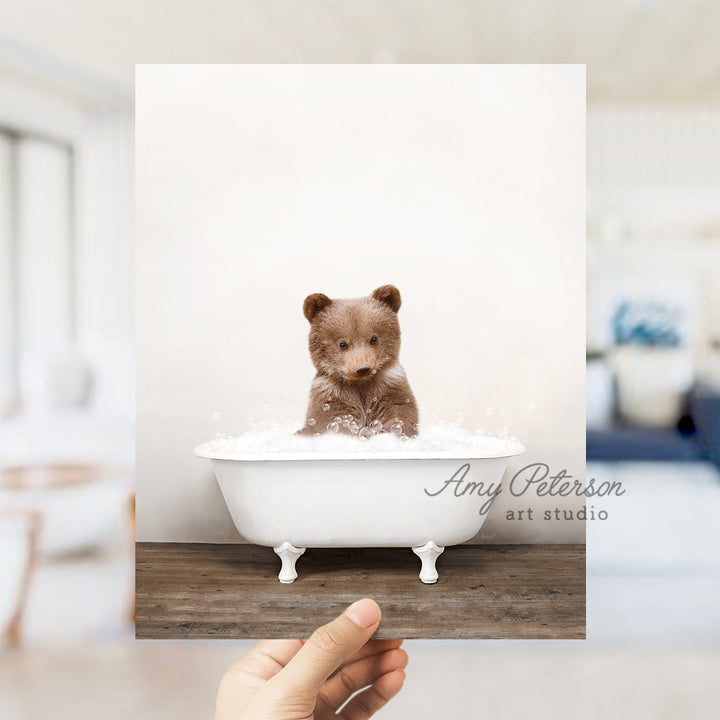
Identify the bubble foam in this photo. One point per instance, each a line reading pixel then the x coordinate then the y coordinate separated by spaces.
pixel 281 442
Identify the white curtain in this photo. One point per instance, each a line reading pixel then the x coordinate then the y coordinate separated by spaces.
pixel 37 281
pixel 45 255
pixel 8 348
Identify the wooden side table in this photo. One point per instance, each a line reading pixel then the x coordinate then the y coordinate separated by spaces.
pixel 28 522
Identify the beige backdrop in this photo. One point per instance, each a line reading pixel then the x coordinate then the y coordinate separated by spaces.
pixel 256 185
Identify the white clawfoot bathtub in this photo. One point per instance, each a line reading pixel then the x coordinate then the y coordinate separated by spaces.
pixel 423 501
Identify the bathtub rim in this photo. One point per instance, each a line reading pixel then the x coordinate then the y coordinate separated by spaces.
pixel 518 449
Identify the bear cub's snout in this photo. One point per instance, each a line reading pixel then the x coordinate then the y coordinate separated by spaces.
pixel 354 345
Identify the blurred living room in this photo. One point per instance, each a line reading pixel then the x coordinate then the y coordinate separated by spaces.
pixel 67 643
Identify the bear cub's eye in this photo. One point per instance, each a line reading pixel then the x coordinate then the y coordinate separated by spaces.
pixel 373 339
pixel 343 345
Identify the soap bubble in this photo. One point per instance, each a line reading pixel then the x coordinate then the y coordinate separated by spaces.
pixel 366 433
pixel 376 426
pixel 338 419
pixel 416 427
pixel 396 428
pixel 217 415
pixel 397 420
pixel 353 426
pixel 326 407
pixel 407 400
pixel 374 400
pixel 311 422
pixel 281 437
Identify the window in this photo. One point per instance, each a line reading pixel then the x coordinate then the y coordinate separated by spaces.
pixel 37 266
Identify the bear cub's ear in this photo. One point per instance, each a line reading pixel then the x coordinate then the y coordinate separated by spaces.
pixel 389 295
pixel 314 304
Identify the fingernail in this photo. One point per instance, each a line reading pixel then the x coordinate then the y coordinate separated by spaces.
pixel 364 612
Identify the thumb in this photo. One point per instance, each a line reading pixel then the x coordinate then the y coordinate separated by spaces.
pixel 327 649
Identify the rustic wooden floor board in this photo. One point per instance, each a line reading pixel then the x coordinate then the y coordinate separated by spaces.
pixel 192 590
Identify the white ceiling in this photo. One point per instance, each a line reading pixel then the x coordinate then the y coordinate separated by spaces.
pixel 635 50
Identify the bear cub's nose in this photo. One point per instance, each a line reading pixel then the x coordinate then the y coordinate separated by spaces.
pixel 363 370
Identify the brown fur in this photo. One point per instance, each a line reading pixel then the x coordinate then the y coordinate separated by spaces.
pixel 365 379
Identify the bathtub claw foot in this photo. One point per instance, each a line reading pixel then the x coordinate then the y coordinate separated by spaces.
pixel 428 554
pixel 289 554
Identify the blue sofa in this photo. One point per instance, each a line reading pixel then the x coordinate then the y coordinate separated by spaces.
pixel 696 438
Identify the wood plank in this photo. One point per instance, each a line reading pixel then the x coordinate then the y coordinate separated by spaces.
pixel 194 590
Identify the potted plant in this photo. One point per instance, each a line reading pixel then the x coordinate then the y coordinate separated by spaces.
pixel 599 401
pixel 654 368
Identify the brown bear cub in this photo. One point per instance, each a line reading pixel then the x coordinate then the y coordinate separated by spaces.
pixel 360 387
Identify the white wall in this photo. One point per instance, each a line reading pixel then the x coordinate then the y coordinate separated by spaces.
pixel 653 212
pixel 105 204
pixel 256 185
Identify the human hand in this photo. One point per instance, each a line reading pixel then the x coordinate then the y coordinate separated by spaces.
pixel 312 679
